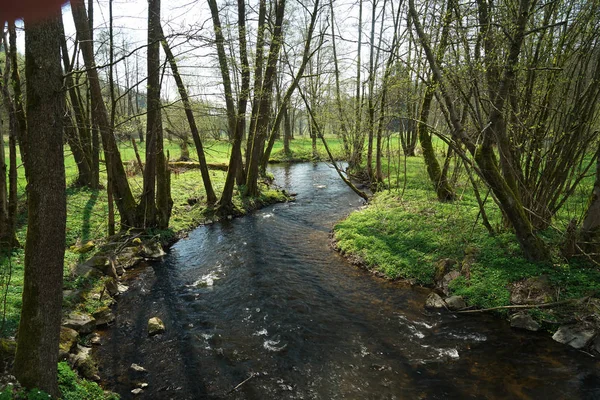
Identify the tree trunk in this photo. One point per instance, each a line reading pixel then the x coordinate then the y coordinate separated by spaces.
pixel 533 247
pixel 39 328
pixel 17 95
pixel 442 186
pixel 211 198
pixel 8 178
pixel 284 103
pixel 121 190
pixel 258 76
pixel 287 130
pixel 264 104
pixel 226 203
pixel 147 207
pixel 78 135
pixel 590 228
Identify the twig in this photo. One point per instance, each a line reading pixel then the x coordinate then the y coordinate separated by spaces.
pixel 252 375
pixel 527 306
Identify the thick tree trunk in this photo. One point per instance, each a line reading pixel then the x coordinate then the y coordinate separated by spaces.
pixel 147 207
pixel 123 196
pixel 39 328
pixel 210 193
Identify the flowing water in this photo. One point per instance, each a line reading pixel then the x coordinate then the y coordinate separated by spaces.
pixel 263 301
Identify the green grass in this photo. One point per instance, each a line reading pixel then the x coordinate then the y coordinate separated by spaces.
pixel 71 386
pixel 405 231
pixel 301 150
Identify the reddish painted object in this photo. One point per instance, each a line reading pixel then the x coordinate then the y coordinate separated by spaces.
pixel 11 10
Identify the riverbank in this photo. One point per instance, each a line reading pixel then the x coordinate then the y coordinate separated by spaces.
pixel 413 237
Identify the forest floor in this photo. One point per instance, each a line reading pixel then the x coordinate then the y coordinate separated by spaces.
pixel 406 233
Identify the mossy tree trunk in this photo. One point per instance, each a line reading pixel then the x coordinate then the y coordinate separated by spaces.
pixel 39 327
pixel 440 182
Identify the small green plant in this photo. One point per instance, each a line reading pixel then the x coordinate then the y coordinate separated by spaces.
pixel 74 388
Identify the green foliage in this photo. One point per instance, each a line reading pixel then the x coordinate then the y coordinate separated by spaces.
pixel 74 388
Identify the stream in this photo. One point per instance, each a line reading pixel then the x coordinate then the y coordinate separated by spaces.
pixel 265 302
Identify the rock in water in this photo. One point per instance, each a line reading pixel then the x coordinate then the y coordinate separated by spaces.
pixel 152 250
pixel 155 326
pixel 577 336
pixel 434 301
pixel 455 303
pixel 82 323
pixel 137 370
pixel 523 320
pixel 103 316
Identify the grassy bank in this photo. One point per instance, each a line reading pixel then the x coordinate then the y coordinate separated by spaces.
pixel 405 232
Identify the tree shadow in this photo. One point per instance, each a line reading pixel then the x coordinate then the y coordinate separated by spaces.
pixel 86 220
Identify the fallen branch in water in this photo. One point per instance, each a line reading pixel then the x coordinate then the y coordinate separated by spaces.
pixel 252 375
pixel 527 306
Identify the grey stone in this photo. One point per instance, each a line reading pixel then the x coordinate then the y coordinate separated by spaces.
pixel 455 303
pixel 103 316
pixel 74 295
pixel 535 290
pixel 82 323
pixel 155 326
pixel 449 277
pixel 84 363
pixel 434 301
pixel 68 341
pixel 87 271
pixel 112 287
pixel 137 369
pixel 523 320
pixel 137 391
pixel 596 344
pixel 122 288
pixel 152 250
pixel 95 339
pixel 577 336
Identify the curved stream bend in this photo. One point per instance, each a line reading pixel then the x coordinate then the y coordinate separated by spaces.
pixel 265 297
